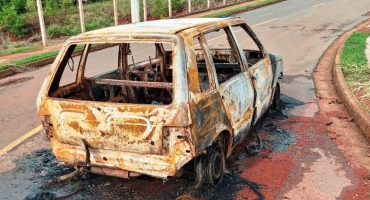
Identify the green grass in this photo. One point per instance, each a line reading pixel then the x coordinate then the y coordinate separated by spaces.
pixel 29 60
pixel 36 58
pixel 2 67
pixel 19 50
pixel 238 9
pixel 354 64
pixel 353 59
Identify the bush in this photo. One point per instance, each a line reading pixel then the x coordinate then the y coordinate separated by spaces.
pixel 66 3
pixel 177 5
pixel 99 23
pixel 51 6
pixel 12 21
pixel 31 6
pixel 55 30
pixel 72 30
pixel 20 6
pixel 160 9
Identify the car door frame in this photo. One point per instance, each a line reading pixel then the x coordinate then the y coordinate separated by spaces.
pixel 239 108
pixel 262 74
pixel 207 113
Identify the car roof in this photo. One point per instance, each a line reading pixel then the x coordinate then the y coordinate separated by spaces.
pixel 165 26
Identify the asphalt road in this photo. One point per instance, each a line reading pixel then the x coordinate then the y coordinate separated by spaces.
pixel 299 30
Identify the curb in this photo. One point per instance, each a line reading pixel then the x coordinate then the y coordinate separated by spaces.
pixel 6 73
pixel 353 106
pixel 37 64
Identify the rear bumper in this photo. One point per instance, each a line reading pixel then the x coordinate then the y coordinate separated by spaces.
pixel 159 166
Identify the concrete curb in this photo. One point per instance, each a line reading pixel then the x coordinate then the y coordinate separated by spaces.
pixel 7 72
pixel 353 106
pixel 40 63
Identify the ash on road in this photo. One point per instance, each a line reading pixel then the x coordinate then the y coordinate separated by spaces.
pixel 287 145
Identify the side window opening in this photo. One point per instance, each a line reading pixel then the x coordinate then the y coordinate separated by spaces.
pixel 224 53
pixel 67 72
pixel 201 66
pixel 139 73
pixel 102 63
pixel 251 49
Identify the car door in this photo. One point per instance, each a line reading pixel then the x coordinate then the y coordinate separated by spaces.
pixel 206 107
pixel 233 82
pixel 259 65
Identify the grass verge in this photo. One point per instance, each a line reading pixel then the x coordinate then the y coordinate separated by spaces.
pixel 239 9
pixel 31 59
pixel 20 50
pixel 355 68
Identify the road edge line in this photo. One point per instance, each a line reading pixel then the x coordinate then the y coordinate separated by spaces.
pixel 20 140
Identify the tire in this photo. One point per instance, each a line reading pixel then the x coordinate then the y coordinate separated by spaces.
pixel 200 163
pixel 216 165
pixel 276 101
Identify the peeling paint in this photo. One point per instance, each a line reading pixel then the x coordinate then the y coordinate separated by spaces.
pixel 152 117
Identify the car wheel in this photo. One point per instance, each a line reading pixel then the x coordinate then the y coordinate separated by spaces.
pixel 216 165
pixel 276 101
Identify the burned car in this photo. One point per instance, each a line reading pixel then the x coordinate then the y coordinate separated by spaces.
pixel 150 97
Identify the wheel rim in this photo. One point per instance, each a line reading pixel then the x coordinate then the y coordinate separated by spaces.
pixel 216 166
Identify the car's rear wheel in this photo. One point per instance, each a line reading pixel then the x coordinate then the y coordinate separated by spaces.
pixel 216 165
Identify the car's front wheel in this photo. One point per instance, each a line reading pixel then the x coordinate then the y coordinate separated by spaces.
pixel 276 101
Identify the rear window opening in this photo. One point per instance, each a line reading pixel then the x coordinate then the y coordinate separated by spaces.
pixel 137 73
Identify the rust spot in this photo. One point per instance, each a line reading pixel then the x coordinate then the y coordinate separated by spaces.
pixel 152 115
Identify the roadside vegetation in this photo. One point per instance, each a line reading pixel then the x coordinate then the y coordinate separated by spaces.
pixel 35 58
pixel 355 68
pixel 19 22
pixel 19 18
pixel 19 25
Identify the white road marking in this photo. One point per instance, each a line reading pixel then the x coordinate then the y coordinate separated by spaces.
pixel 265 22
pixel 240 30
pixel 318 5
pixel 20 140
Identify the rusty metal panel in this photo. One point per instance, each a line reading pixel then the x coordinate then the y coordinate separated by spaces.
pixel 152 139
pixel 159 166
pixel 262 79
pixel 238 98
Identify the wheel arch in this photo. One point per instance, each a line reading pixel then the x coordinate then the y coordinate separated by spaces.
pixel 225 139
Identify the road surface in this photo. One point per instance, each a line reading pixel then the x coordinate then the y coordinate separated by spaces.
pixel 310 166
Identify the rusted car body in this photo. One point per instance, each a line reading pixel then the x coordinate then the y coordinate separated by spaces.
pixel 151 113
